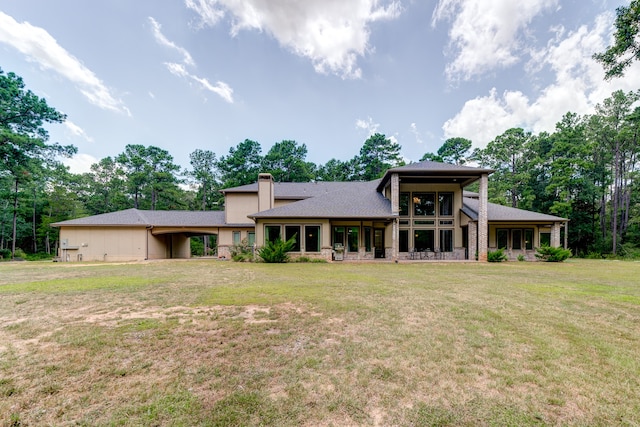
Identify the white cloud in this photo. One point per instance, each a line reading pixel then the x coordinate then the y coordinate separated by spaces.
pixel 333 34
pixel 413 128
pixel 80 163
pixel 578 86
pixel 486 34
pixel 77 130
pixel 161 39
pixel 219 88
pixel 40 47
pixel 368 125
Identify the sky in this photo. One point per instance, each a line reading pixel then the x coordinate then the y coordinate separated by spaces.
pixel 207 74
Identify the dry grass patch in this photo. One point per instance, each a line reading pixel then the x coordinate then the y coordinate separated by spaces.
pixel 219 343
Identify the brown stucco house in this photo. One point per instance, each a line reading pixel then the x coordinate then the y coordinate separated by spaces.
pixel 418 211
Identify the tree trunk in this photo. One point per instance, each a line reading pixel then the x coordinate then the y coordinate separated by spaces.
pixel 34 237
pixel 15 221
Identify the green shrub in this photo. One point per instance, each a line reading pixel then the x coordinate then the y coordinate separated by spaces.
pixel 277 251
pixel 242 252
pixel 521 258
pixel 496 256
pixel 5 254
pixel 551 254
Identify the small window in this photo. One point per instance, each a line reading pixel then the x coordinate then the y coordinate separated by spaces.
pixel 404 204
pixel 272 233
pixel 293 232
pixel 424 222
pixel 424 204
pixel 446 222
pixel 404 222
pixel 251 238
pixel 352 239
pixel 503 238
pixel 312 238
pixel 445 203
pixel 236 238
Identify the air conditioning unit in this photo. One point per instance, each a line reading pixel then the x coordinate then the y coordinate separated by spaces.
pixel 64 243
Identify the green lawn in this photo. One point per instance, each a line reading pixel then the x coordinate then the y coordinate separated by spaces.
pixel 224 344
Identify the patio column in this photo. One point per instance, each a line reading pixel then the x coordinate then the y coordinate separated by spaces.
pixel 395 210
pixel 483 221
pixel 566 234
pixel 555 235
pixel 472 240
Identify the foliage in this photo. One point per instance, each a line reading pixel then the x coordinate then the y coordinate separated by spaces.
pixel 378 154
pixel 626 48
pixel 305 259
pixel 5 254
pixel 551 254
pixel 241 166
pixel 242 252
pixel 287 162
pixel 521 258
pixel 496 256
pixel 277 251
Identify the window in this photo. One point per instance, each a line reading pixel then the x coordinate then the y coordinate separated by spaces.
pixel 528 238
pixel 404 204
pixel 424 222
pixel 446 240
pixel 424 204
pixel 293 231
pixel 503 238
pixel 423 240
pixel 236 238
pixel 403 240
pixel 271 233
pixel 352 239
pixel 545 239
pixel 338 236
pixel 312 238
pixel 251 238
pixel 367 239
pixel 445 203
pixel 516 239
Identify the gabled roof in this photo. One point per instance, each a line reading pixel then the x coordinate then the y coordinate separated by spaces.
pixel 465 175
pixel 293 190
pixel 143 218
pixel 348 200
pixel 495 212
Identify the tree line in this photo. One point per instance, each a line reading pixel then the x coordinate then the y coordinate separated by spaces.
pixel 586 170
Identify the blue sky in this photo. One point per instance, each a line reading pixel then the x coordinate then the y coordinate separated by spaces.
pixel 188 74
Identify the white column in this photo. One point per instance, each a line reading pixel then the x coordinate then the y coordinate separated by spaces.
pixel 483 221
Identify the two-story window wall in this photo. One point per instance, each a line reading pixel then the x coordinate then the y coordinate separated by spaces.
pixel 427 222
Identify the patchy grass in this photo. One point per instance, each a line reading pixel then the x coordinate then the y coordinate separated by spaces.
pixel 218 344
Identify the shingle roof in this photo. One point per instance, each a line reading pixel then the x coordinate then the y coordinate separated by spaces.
pixel 293 190
pixel 497 212
pixel 143 218
pixel 348 200
pixel 436 170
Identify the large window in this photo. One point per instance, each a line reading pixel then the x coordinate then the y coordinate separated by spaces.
pixel 403 241
pixel 545 239
pixel 251 238
pixel 503 238
pixel 424 204
pixel 423 240
pixel 528 238
pixel 312 238
pixel 338 236
pixel 516 239
pixel 293 231
pixel 404 204
pixel 271 233
pixel 367 239
pixel 446 240
pixel 352 239
pixel 445 203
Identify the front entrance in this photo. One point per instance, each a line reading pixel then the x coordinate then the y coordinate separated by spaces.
pixel 378 242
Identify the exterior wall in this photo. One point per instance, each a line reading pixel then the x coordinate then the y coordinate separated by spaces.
pixel 238 206
pixel 104 243
pixel 225 240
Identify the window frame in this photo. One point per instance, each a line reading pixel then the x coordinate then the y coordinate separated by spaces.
pixel 287 227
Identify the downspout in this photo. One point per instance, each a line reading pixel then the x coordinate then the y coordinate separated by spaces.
pixel 146 256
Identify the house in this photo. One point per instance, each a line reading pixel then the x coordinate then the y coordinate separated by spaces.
pixel 418 211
